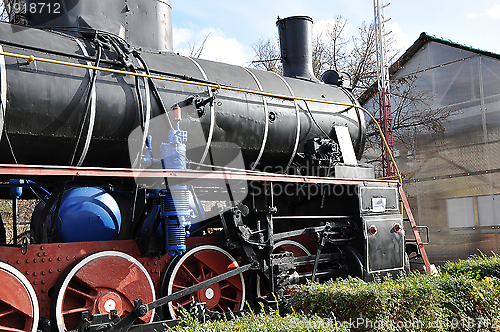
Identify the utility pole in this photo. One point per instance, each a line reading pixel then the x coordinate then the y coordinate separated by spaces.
pixel 384 91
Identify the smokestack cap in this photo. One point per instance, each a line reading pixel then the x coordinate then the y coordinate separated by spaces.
pixel 290 18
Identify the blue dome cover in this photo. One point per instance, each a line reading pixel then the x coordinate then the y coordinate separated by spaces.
pixel 87 214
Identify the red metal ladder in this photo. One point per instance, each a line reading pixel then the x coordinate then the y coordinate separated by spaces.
pixel 414 227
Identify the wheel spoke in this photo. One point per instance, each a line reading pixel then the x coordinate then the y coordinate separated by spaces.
pixel 204 264
pixel 8 312
pixel 82 282
pixel 229 299
pixel 190 275
pixel 210 272
pixel 180 287
pixel 79 292
pixel 10 329
pixel 76 310
pixel 186 302
pixel 228 283
pixel 201 265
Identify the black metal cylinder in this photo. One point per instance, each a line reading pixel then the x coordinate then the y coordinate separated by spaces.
pixel 142 23
pixel 295 35
pixel 45 107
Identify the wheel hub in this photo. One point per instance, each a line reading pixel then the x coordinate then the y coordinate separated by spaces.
pixel 108 302
pixel 210 295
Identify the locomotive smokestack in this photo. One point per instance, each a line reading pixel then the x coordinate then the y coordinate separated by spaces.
pixel 296 46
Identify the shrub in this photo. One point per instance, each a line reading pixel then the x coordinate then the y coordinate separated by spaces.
pixel 477 266
pixel 464 297
pixel 409 303
pixel 262 323
pixel 470 303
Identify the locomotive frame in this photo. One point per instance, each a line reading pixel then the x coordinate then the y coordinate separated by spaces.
pixel 46 270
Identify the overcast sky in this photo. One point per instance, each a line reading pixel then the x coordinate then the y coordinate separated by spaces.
pixel 233 27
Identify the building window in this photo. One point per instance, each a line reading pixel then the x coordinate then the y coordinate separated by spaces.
pixel 460 212
pixel 488 208
pixel 473 211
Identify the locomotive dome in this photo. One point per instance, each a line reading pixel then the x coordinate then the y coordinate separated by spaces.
pixel 142 23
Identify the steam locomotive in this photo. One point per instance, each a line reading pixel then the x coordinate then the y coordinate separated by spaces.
pixel 165 181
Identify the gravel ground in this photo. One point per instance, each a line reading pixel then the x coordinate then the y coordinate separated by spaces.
pixel 24 210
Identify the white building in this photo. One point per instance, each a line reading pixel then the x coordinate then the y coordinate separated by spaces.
pixel 453 182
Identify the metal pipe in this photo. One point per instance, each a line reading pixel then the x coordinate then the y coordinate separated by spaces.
pixel 312 217
pixel 14 221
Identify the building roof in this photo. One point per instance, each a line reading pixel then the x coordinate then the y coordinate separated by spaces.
pixel 423 39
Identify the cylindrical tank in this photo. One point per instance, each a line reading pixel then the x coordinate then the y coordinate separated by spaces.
pixel 44 109
pixel 85 214
pixel 296 46
pixel 142 23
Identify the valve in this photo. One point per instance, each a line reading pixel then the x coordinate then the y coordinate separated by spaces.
pixel 175 210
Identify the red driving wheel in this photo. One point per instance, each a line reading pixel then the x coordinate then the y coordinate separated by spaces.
pixel 198 264
pixel 18 302
pixel 297 249
pixel 99 283
pixel 294 247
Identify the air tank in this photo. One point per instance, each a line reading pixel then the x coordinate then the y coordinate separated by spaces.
pixel 48 118
pixel 84 214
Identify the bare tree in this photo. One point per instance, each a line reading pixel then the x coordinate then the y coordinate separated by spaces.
pixel 267 56
pixel 412 109
pixel 4 15
pixel 196 52
pixel 330 48
pixel 14 11
pixel 362 61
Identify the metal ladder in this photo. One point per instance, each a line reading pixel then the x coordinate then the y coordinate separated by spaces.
pixel 414 227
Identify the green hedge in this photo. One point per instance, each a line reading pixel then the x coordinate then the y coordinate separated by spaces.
pixel 263 322
pixel 477 266
pixel 464 296
pixel 377 306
